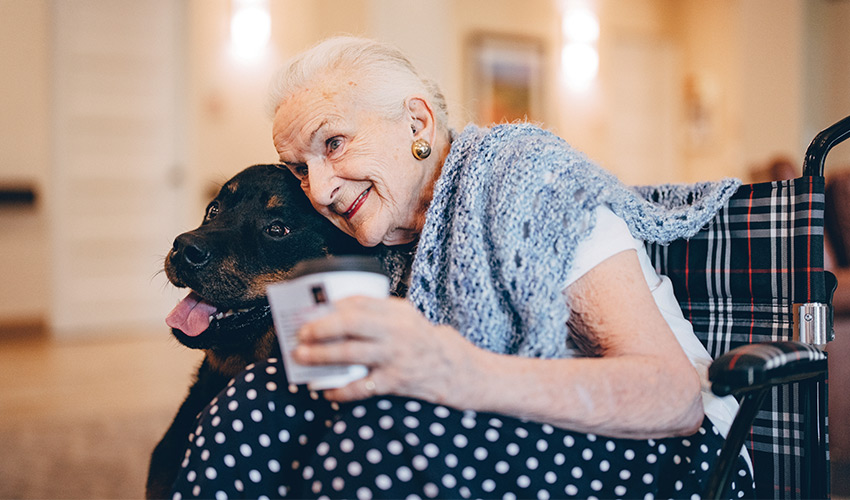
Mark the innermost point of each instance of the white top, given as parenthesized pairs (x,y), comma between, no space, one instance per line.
(611,236)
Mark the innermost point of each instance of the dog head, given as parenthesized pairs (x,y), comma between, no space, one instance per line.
(257,228)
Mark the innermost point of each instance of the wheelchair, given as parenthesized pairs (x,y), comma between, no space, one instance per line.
(754,287)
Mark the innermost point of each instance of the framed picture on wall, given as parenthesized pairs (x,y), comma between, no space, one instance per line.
(505,75)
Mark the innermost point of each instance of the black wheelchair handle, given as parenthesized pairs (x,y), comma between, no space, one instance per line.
(821,144)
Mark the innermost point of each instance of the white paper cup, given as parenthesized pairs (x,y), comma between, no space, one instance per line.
(309,294)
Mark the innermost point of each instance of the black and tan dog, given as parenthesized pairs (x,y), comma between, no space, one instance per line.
(257,228)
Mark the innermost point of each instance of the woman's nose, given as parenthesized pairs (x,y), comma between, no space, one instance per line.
(324,184)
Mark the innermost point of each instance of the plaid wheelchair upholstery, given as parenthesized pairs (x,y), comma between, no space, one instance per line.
(737,281)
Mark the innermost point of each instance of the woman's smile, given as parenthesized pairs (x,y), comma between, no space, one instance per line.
(348,214)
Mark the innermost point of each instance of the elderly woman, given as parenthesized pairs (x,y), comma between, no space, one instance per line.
(536,354)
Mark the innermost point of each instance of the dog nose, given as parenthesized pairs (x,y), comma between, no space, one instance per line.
(191,250)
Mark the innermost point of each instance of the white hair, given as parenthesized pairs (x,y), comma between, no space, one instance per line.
(385,77)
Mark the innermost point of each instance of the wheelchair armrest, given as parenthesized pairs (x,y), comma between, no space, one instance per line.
(750,371)
(757,366)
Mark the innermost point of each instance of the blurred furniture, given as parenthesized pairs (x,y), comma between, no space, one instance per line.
(837,230)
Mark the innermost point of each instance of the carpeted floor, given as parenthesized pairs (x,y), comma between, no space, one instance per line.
(80,458)
(79,419)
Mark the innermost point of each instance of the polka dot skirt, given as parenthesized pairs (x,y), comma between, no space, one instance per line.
(261,438)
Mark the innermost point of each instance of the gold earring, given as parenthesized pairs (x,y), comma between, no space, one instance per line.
(420,149)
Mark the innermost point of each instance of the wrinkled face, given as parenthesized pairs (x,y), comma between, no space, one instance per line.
(354,165)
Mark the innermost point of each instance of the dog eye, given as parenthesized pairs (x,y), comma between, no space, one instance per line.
(277,230)
(212,211)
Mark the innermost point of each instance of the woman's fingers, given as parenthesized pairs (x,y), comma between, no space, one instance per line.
(355,317)
(342,352)
(405,353)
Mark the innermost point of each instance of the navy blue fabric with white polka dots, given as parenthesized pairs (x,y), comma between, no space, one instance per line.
(261,438)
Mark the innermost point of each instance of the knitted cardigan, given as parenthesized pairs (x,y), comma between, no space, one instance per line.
(509,208)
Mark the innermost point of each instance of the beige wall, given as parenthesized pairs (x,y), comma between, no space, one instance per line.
(24,156)
(764,74)
(227,127)
(710,50)
(771,112)
(775,73)
(745,63)
(827,85)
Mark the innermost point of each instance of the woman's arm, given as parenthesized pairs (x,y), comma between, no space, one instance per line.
(641,385)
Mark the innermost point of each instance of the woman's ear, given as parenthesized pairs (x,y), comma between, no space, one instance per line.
(421,117)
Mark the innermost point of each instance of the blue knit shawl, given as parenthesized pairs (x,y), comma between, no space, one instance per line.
(510,207)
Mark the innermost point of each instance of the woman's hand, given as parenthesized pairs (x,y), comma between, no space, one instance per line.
(641,386)
(405,353)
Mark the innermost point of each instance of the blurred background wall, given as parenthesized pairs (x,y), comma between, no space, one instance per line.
(121,117)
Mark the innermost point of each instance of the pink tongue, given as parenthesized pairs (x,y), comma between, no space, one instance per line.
(191,315)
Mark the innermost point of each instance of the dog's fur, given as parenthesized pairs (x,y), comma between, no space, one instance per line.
(257,228)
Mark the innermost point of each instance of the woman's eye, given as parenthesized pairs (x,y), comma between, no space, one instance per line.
(299,170)
(277,230)
(212,211)
(333,144)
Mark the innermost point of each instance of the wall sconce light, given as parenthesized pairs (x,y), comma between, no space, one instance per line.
(580,63)
(580,24)
(250,27)
(579,55)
